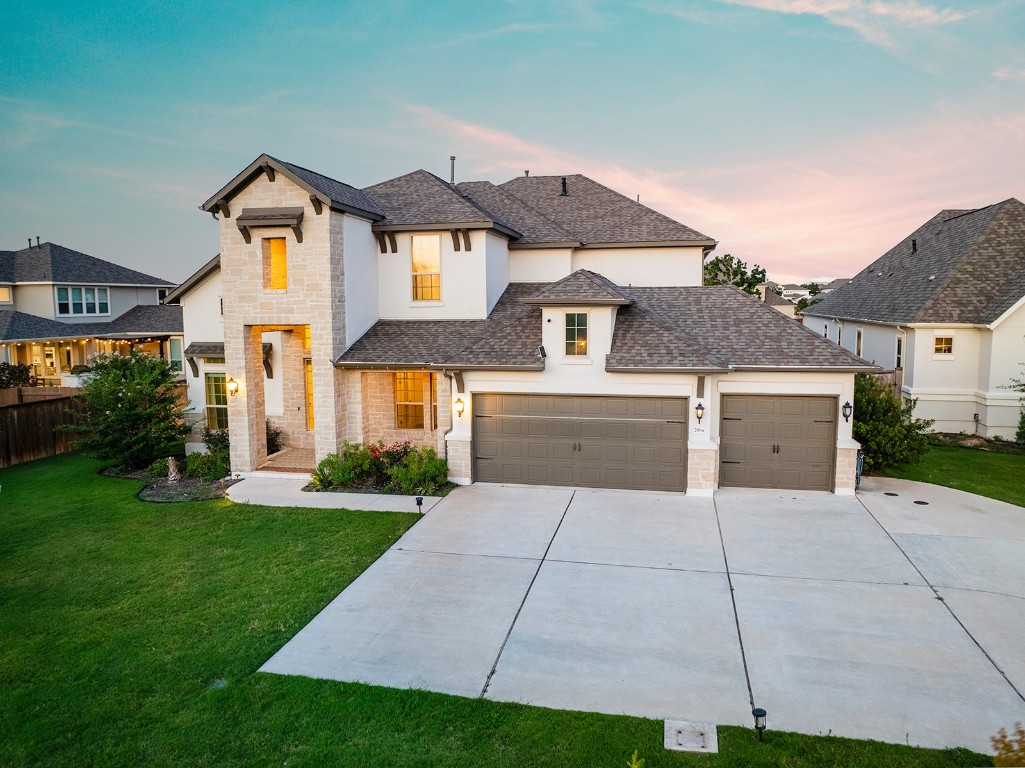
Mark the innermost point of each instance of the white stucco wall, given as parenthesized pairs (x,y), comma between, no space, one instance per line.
(643,266)
(361,276)
(463,281)
(497,268)
(36,300)
(539,265)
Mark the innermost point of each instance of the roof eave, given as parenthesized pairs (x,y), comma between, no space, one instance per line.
(665,369)
(655,244)
(442,226)
(425,366)
(815,368)
(537,246)
(583,302)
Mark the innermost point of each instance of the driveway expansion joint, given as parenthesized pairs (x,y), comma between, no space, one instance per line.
(733,602)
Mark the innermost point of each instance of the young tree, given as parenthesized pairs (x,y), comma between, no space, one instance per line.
(15,375)
(887,429)
(728,270)
(132,410)
(813,288)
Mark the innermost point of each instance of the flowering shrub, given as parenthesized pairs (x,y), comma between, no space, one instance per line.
(399,467)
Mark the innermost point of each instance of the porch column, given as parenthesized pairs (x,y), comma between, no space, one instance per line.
(243,353)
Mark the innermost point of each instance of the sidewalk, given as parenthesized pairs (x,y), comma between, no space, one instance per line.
(282,491)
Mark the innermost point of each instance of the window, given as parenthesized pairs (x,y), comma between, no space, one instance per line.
(79,300)
(825,330)
(410,389)
(5,294)
(839,335)
(161,294)
(216,401)
(275,261)
(308,378)
(426,260)
(576,333)
(214,360)
(858,335)
(943,345)
(174,349)
(900,352)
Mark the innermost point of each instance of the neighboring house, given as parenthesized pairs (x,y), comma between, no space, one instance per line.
(833,285)
(547,330)
(793,292)
(767,293)
(59,308)
(946,307)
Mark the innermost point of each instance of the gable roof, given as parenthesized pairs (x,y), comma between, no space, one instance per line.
(534,227)
(688,329)
(958,267)
(582,287)
(52,263)
(597,215)
(21,326)
(334,193)
(422,199)
(201,274)
(141,320)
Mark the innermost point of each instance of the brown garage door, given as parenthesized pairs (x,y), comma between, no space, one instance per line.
(777,442)
(594,442)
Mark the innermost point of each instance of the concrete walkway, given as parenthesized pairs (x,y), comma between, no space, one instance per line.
(870,617)
(286,490)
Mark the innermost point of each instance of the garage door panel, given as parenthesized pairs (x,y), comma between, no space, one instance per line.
(819,432)
(617,442)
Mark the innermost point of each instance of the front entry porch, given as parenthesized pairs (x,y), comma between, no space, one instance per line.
(298,460)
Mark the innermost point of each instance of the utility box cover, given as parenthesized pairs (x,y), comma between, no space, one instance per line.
(685,736)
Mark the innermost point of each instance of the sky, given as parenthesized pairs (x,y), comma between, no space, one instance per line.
(806,136)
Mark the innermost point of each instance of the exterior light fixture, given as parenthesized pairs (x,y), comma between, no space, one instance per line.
(460,406)
(232,387)
(420,504)
(759,715)
(699,411)
(847,410)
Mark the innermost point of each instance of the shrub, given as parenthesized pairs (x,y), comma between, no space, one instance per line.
(887,430)
(421,471)
(16,375)
(322,477)
(208,466)
(1019,433)
(216,441)
(131,410)
(158,468)
(274,443)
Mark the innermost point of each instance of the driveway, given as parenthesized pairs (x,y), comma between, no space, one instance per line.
(875,617)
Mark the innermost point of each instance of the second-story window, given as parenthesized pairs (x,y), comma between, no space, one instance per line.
(82,300)
(576,333)
(426,262)
(275,260)
(5,294)
(943,345)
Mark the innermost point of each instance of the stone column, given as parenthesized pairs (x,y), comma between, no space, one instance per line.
(243,352)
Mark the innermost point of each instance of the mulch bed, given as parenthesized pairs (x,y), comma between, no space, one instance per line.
(162,490)
(964,440)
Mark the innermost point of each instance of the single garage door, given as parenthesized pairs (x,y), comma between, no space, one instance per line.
(594,442)
(777,442)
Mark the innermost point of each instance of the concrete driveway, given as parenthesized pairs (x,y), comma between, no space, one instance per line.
(876,617)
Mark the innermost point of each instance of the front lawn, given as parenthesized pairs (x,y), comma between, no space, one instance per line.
(986,473)
(130,634)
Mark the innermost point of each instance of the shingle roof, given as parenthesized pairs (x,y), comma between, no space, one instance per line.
(338,192)
(697,328)
(142,320)
(596,214)
(581,287)
(21,326)
(533,226)
(773,299)
(958,267)
(52,263)
(422,198)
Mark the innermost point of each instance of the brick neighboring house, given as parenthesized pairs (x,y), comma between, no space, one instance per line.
(59,308)
(945,308)
(546,330)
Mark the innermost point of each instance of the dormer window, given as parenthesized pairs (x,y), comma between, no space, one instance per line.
(82,300)
(426,263)
(576,334)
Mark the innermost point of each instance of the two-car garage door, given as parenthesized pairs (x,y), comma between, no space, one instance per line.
(595,442)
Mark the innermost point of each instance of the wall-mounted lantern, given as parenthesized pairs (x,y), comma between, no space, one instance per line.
(460,406)
(232,387)
(699,411)
(847,410)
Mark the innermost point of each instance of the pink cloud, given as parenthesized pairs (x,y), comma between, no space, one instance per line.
(829,212)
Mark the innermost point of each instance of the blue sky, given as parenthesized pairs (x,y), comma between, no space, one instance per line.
(805,135)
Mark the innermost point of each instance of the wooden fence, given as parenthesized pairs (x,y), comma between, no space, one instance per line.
(28,430)
(16,395)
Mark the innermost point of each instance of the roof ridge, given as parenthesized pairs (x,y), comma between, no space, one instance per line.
(555,225)
(316,173)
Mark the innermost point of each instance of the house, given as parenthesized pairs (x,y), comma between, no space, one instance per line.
(546,330)
(945,308)
(832,285)
(793,291)
(767,293)
(59,308)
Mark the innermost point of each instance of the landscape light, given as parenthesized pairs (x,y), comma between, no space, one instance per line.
(759,714)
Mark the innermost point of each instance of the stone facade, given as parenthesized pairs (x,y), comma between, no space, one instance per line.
(460,464)
(702,471)
(846,471)
(315,292)
(293,421)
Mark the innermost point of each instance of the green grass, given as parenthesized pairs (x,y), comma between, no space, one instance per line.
(117,618)
(996,475)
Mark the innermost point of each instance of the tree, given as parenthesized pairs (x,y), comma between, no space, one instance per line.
(728,270)
(804,302)
(813,288)
(15,375)
(886,428)
(132,410)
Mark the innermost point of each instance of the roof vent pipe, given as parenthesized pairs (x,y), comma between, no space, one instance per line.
(526,173)
(30,242)
(564,190)
(914,246)
(37,241)
(452,168)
